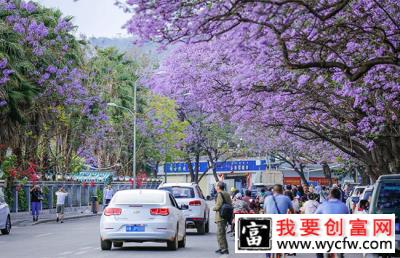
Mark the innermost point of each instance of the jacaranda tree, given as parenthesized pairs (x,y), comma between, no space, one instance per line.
(328,69)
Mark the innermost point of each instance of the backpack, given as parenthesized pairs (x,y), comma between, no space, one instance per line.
(226,211)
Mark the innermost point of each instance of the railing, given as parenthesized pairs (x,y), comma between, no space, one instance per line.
(79,195)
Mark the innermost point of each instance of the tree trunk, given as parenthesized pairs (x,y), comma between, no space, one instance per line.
(190,166)
(300,172)
(327,172)
(197,168)
(214,169)
(155,170)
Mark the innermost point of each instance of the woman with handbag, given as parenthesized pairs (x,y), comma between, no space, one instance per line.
(36,199)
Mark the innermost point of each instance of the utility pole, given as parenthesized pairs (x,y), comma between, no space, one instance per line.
(134,134)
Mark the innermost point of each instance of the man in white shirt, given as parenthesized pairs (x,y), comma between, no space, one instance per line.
(310,206)
(61,195)
(108,194)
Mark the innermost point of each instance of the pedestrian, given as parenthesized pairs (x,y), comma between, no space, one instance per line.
(36,199)
(310,206)
(278,203)
(323,196)
(108,194)
(362,207)
(300,191)
(222,197)
(247,197)
(261,198)
(318,188)
(333,206)
(295,201)
(61,195)
(239,207)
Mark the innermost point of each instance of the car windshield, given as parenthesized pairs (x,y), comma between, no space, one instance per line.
(179,191)
(2,199)
(388,197)
(358,191)
(367,194)
(139,197)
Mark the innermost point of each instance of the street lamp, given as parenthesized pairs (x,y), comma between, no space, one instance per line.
(133,113)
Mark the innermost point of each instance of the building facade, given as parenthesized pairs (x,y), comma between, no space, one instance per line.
(240,173)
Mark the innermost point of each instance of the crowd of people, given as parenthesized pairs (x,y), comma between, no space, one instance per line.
(293,199)
(280,199)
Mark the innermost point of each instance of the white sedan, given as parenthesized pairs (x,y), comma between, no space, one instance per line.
(5,219)
(143,215)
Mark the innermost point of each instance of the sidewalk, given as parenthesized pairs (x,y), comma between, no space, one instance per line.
(25,218)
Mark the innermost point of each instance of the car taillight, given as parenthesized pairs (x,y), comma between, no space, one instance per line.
(159,211)
(112,211)
(195,203)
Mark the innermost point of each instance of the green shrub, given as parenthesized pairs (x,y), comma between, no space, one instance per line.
(45,202)
(99,194)
(22,200)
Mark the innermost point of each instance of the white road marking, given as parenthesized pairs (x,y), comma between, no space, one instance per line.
(81,252)
(86,247)
(45,234)
(66,253)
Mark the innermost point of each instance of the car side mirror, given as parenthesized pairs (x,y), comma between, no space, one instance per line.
(184,207)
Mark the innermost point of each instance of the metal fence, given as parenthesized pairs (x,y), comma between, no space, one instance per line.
(79,195)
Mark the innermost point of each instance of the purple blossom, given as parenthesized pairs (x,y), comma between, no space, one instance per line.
(30,7)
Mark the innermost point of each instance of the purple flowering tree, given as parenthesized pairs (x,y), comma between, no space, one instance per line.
(324,70)
(44,94)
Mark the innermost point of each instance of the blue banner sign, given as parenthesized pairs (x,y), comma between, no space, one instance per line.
(227,166)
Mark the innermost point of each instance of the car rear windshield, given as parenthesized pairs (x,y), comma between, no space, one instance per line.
(358,191)
(388,198)
(367,194)
(139,197)
(180,191)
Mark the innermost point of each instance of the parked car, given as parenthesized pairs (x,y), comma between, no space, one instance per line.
(386,200)
(143,215)
(256,189)
(190,194)
(367,194)
(5,218)
(354,197)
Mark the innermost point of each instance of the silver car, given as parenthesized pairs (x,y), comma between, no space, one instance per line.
(5,218)
(143,216)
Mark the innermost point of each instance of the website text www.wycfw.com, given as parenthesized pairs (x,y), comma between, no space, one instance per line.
(315,233)
(328,246)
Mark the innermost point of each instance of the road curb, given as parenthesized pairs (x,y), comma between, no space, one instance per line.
(65,218)
(42,221)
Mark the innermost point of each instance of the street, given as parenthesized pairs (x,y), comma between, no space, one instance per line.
(80,238)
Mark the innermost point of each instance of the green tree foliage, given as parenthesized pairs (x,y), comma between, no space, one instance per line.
(163,133)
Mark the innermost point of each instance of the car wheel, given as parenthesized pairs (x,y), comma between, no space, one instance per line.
(7,229)
(208,226)
(118,244)
(105,244)
(201,228)
(182,243)
(173,244)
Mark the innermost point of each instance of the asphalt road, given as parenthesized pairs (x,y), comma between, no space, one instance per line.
(80,238)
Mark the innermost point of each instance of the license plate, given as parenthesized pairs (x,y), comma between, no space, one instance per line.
(135,228)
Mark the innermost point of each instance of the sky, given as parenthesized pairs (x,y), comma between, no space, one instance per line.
(98,18)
